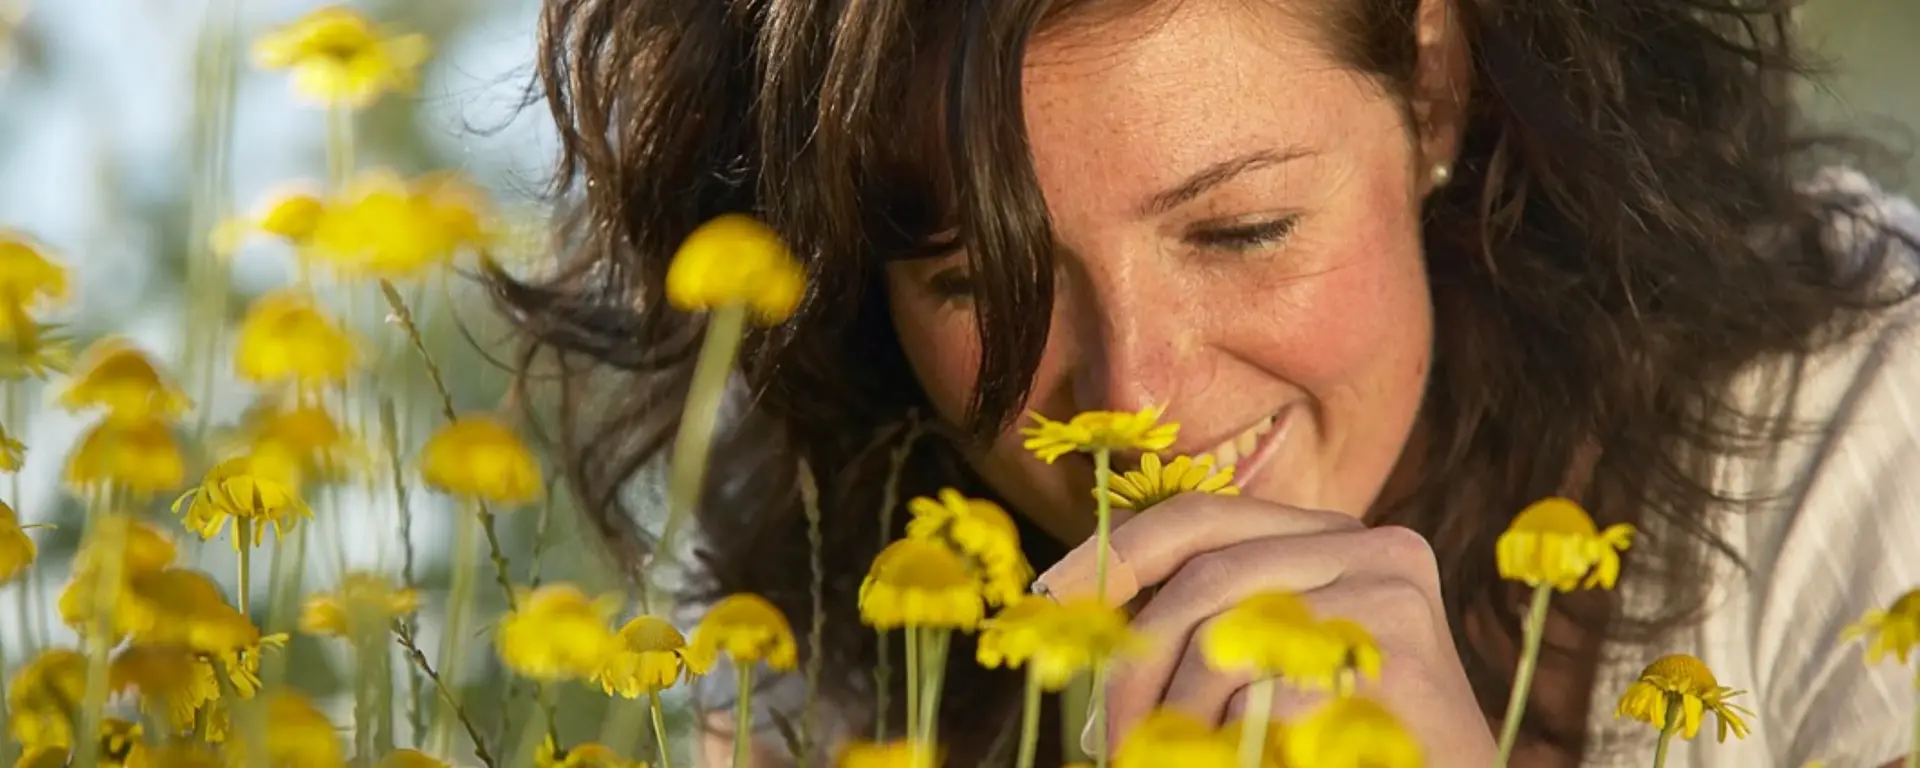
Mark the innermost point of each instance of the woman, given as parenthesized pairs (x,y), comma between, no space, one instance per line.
(1408,265)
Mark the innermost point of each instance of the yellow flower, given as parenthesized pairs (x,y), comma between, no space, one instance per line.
(30,349)
(735,259)
(1169,737)
(892,754)
(588,755)
(558,633)
(39,697)
(1154,482)
(983,532)
(385,227)
(1055,641)
(1274,634)
(1098,430)
(298,444)
(1682,682)
(28,277)
(233,489)
(285,338)
(364,603)
(410,758)
(338,57)
(1554,542)
(12,452)
(1894,630)
(920,583)
(1351,732)
(120,747)
(301,737)
(140,456)
(1272,754)
(480,458)
(290,215)
(147,548)
(747,628)
(173,683)
(652,656)
(117,377)
(16,548)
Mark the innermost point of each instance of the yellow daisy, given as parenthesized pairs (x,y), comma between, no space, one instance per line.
(120,747)
(478,457)
(233,489)
(289,215)
(651,657)
(1099,430)
(12,452)
(17,551)
(30,349)
(1895,629)
(364,603)
(891,754)
(285,338)
(339,57)
(29,278)
(385,227)
(558,633)
(173,683)
(301,737)
(297,445)
(1170,737)
(140,456)
(39,697)
(1554,542)
(585,755)
(1055,641)
(1155,482)
(983,532)
(1351,732)
(920,583)
(735,259)
(1274,634)
(1681,686)
(747,629)
(117,377)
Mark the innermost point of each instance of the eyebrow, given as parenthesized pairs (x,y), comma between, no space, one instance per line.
(1216,174)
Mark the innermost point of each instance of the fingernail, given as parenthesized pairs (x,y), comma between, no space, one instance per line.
(1075,576)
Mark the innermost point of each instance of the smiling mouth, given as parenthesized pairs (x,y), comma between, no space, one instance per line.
(1248,452)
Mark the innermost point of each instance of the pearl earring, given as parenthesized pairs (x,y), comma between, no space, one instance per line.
(1441,174)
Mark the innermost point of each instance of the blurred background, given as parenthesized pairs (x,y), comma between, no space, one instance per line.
(105,141)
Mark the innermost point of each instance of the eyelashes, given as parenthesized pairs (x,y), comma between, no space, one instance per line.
(955,284)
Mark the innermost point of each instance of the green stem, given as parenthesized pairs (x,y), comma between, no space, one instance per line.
(817,590)
(6,743)
(1253,728)
(743,717)
(339,146)
(726,327)
(1666,734)
(363,703)
(110,551)
(889,499)
(459,598)
(913,681)
(243,536)
(662,746)
(1103,521)
(1523,674)
(390,442)
(1030,720)
(1098,704)
(933,660)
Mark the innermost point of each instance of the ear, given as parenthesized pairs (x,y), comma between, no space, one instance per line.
(1441,85)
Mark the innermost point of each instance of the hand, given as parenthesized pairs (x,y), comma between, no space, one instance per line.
(1205,553)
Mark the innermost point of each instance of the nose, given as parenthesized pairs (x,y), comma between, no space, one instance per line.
(1130,333)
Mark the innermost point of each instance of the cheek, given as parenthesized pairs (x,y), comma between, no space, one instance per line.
(942,348)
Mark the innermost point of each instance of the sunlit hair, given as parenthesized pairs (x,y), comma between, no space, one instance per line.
(1625,230)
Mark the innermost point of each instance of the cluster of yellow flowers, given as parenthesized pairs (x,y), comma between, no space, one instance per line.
(169,673)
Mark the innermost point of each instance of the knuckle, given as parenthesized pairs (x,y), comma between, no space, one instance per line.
(1208,574)
(1405,549)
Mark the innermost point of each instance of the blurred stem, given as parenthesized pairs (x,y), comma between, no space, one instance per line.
(1103,511)
(288,575)
(1523,673)
(889,498)
(216,76)
(390,441)
(106,546)
(363,699)
(340,159)
(725,328)
(501,572)
(1254,724)
(11,413)
(6,742)
(662,744)
(459,596)
(1030,718)
(383,741)
(913,682)
(933,660)
(817,590)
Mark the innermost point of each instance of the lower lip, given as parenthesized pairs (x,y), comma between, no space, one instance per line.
(1250,468)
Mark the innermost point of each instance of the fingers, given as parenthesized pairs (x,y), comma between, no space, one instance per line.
(1150,547)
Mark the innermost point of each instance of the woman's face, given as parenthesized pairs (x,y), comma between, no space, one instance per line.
(1238,225)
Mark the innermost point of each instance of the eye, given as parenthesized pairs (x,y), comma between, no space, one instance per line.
(951,285)
(1244,237)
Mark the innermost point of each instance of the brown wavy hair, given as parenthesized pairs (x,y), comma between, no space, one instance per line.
(1625,231)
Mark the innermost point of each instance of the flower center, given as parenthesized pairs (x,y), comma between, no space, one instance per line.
(1555,515)
(1682,674)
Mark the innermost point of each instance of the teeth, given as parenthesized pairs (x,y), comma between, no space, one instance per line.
(1229,453)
